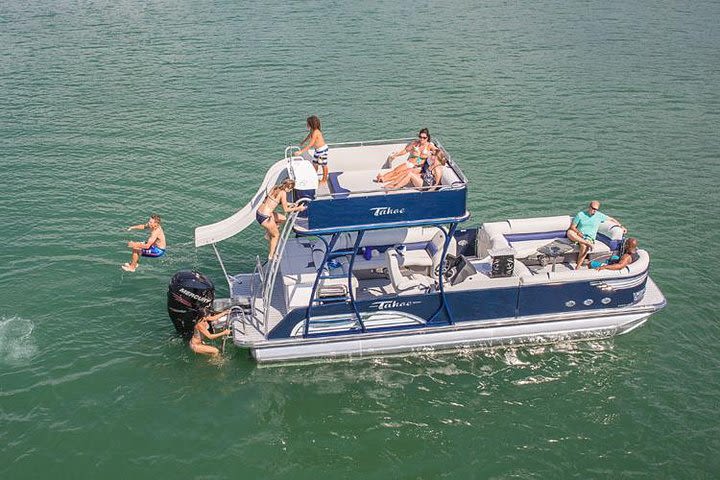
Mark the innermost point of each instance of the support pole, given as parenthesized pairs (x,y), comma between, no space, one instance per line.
(441,280)
(328,250)
(358,239)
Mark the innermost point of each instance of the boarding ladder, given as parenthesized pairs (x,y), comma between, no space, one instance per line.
(273,265)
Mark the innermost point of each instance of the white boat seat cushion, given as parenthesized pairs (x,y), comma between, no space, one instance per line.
(527,248)
(405,282)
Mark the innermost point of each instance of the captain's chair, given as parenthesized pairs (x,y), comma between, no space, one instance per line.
(405,282)
(430,256)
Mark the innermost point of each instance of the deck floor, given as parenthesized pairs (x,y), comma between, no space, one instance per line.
(254,329)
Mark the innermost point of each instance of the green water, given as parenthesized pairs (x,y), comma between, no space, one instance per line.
(110,111)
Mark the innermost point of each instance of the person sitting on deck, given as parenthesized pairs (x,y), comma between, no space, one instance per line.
(419,151)
(269,219)
(584,227)
(202,329)
(317,142)
(429,177)
(629,256)
(154,247)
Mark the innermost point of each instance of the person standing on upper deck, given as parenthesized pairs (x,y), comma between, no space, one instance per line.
(584,227)
(316,141)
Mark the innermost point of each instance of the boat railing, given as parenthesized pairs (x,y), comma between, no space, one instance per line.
(258,275)
(436,141)
(462,183)
(451,163)
(274,264)
(369,143)
(454,186)
(240,318)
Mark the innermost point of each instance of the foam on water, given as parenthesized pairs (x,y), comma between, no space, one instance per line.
(16,341)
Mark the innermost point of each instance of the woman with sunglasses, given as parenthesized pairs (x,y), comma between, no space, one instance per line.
(419,150)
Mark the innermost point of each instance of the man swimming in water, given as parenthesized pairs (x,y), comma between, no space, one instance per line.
(154,246)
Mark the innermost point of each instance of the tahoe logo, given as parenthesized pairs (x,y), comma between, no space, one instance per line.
(382,211)
(388,304)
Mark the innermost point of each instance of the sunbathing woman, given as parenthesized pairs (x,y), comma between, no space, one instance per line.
(269,219)
(202,329)
(430,175)
(419,151)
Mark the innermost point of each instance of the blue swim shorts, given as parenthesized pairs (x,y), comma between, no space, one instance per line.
(154,251)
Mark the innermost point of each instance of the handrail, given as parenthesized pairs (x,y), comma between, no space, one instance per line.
(275,263)
(290,148)
(363,143)
(257,272)
(457,185)
(222,265)
(243,319)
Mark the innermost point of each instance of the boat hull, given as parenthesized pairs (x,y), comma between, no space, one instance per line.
(539,329)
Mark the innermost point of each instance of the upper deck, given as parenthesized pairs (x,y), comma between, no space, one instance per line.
(352,200)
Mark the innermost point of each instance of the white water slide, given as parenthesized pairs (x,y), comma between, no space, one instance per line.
(217,232)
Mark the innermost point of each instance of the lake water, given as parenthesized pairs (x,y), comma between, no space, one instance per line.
(110,111)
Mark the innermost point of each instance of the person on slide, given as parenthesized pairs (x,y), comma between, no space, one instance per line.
(154,247)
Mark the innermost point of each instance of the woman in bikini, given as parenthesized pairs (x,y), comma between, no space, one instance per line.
(202,329)
(430,175)
(316,141)
(419,151)
(269,219)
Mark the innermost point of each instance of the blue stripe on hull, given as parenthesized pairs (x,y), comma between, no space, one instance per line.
(486,304)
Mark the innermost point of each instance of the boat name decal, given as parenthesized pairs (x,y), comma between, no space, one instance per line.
(195,296)
(382,211)
(388,304)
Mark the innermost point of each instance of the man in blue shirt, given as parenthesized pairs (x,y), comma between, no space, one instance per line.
(584,227)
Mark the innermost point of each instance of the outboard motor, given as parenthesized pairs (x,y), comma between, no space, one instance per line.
(189,294)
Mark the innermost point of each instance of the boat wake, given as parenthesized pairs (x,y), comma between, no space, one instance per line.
(16,342)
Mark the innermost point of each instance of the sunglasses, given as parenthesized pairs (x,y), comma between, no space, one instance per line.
(423,137)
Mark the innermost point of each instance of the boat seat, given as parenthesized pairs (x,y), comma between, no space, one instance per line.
(530,251)
(526,236)
(427,255)
(336,189)
(404,282)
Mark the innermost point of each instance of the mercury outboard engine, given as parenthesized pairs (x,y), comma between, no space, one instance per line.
(189,294)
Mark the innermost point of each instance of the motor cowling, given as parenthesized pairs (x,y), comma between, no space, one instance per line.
(190,293)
